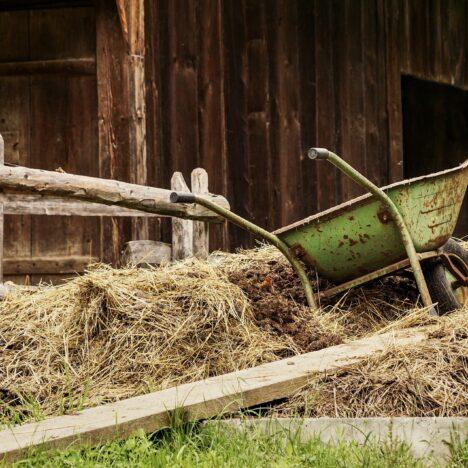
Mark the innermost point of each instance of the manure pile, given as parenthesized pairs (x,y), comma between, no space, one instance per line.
(115,333)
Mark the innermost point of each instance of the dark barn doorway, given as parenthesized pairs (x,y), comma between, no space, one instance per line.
(435,131)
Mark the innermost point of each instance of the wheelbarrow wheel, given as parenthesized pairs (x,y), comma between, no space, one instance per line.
(442,284)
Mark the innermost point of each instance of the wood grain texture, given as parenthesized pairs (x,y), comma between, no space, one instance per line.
(239,88)
(182,230)
(47,265)
(113,118)
(183,85)
(105,191)
(146,252)
(199,400)
(15,121)
(201,233)
(212,106)
(132,16)
(327,181)
(70,140)
(70,66)
(36,204)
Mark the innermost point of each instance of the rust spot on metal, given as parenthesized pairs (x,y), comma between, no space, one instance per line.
(363,238)
(432,226)
(299,252)
(384,216)
(437,208)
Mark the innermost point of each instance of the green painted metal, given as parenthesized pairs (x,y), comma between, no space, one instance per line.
(358,237)
(395,216)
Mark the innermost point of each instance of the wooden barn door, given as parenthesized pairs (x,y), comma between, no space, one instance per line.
(49,121)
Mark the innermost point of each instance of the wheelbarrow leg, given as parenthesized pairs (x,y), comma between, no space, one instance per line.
(257,231)
(322,153)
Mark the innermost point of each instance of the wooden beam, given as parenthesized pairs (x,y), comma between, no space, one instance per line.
(47,265)
(105,191)
(37,204)
(70,66)
(201,241)
(114,118)
(182,230)
(132,17)
(198,400)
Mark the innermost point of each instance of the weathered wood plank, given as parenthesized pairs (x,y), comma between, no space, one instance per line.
(393,39)
(201,240)
(64,121)
(288,138)
(36,204)
(182,230)
(132,16)
(308,100)
(326,102)
(234,44)
(257,172)
(203,399)
(113,113)
(211,103)
(108,192)
(183,85)
(155,145)
(47,265)
(15,111)
(69,66)
(146,252)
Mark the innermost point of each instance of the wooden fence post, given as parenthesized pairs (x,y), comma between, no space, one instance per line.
(2,160)
(200,228)
(182,229)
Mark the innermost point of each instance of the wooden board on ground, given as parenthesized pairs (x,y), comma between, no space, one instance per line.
(197,400)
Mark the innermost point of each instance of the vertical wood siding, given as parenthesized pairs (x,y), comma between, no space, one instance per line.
(245,87)
(239,87)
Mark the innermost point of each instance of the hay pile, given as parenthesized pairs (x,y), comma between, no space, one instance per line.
(427,379)
(115,333)
(112,333)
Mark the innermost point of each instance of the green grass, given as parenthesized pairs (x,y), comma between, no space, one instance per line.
(213,446)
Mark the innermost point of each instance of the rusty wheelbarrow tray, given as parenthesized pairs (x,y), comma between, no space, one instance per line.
(386,230)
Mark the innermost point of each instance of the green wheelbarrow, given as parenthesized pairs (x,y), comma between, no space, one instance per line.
(407,224)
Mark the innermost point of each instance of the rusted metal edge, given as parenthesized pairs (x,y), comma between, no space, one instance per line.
(374,275)
(363,199)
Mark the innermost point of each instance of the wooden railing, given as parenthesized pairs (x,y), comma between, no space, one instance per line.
(28,191)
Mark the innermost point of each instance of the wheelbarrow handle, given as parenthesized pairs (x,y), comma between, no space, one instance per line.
(179,197)
(318,153)
(322,153)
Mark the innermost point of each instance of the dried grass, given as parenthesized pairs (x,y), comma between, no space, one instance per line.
(115,333)
(427,379)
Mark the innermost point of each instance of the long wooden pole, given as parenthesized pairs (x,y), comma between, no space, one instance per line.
(198,400)
(105,191)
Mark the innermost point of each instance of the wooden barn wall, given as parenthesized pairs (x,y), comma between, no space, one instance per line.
(239,87)
(244,87)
